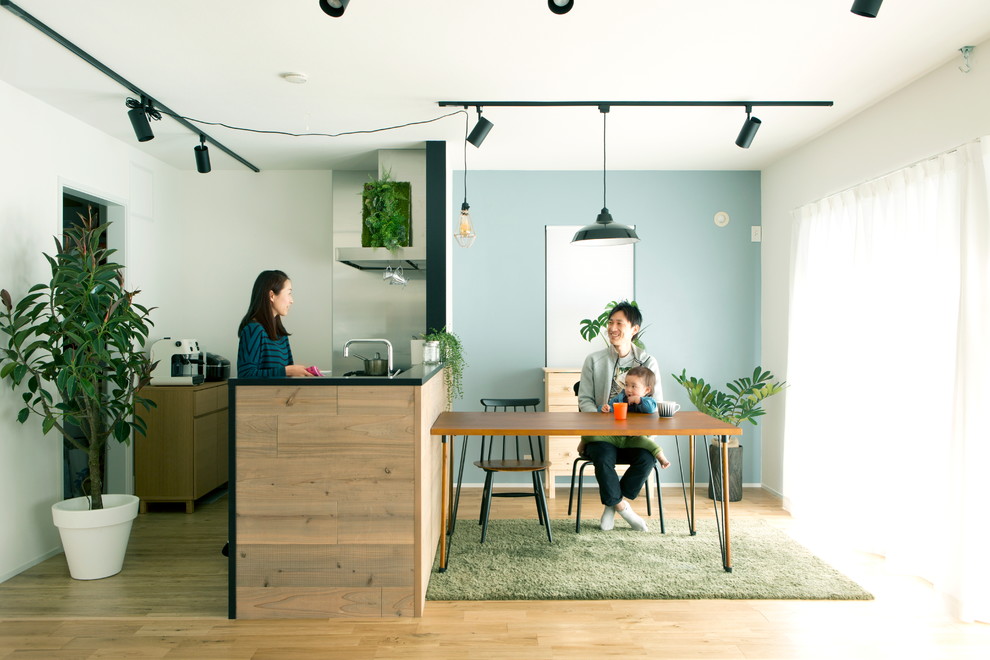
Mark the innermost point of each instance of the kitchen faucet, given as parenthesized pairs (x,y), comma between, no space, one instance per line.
(388,346)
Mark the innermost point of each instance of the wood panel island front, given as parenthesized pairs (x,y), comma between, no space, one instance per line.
(335,493)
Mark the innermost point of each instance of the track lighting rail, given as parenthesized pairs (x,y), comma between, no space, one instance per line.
(120,80)
(608,104)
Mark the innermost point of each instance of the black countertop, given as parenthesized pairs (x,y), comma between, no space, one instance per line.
(418,375)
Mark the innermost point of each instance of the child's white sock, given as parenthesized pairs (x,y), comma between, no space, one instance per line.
(633,519)
(608,518)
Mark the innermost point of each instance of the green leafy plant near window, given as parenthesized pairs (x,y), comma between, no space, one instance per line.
(386,213)
(743,403)
(74,345)
(598,326)
(452,357)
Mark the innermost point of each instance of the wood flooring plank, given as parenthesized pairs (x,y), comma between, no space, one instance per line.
(170,602)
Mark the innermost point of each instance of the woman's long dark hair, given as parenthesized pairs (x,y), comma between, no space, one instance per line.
(260,309)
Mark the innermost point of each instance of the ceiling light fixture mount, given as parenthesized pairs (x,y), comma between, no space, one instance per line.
(334,8)
(605,231)
(480,130)
(202,156)
(748,130)
(295,77)
(966,52)
(867,8)
(560,7)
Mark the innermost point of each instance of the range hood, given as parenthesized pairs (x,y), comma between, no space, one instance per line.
(412,258)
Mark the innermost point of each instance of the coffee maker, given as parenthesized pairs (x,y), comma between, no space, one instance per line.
(179,362)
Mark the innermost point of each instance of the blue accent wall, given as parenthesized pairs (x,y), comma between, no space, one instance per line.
(698,285)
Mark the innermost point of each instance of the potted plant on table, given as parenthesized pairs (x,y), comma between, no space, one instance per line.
(742,403)
(452,357)
(73,345)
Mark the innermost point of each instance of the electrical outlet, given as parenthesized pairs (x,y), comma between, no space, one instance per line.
(756,234)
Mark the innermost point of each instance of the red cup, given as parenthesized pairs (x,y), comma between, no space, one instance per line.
(620,410)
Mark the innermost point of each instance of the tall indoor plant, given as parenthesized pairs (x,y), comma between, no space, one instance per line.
(74,346)
(742,403)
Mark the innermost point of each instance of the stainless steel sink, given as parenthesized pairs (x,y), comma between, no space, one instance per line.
(361,374)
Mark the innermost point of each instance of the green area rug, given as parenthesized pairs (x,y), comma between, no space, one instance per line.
(517,563)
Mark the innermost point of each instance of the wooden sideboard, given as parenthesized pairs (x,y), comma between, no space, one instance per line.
(560,397)
(184,454)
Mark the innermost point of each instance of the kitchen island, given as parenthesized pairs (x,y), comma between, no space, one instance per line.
(335,493)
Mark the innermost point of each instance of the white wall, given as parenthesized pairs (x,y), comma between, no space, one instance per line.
(193,245)
(936,113)
(236,224)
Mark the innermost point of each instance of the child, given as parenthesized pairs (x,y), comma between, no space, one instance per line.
(638,391)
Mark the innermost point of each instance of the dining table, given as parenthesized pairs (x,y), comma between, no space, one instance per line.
(691,424)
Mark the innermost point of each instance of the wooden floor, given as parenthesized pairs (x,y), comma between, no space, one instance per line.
(170,602)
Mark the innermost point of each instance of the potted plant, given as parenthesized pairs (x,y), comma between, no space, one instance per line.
(597,327)
(742,403)
(386,213)
(73,345)
(452,357)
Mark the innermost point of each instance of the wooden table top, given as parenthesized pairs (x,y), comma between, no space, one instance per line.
(577,423)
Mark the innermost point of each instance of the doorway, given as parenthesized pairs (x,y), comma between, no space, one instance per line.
(119,478)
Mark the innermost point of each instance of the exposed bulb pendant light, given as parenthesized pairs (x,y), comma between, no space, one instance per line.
(465,230)
(605,231)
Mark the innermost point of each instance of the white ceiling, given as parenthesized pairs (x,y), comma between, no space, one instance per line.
(387,62)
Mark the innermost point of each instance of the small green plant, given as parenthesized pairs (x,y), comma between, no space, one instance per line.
(386,212)
(597,327)
(74,345)
(743,404)
(452,357)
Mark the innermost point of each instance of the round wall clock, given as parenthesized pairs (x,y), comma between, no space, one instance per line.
(721,219)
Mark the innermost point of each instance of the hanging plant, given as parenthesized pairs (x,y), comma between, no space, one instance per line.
(386,213)
(452,357)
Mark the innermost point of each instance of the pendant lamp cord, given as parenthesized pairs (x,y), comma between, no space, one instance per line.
(604,153)
(467,119)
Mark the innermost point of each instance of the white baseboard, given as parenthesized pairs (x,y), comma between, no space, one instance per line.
(34,562)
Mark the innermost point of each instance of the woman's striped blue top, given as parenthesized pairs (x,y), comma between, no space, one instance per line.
(260,357)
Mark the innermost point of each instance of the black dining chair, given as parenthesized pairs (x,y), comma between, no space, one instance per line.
(513,454)
(577,476)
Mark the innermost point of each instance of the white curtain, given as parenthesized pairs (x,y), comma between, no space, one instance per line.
(888,412)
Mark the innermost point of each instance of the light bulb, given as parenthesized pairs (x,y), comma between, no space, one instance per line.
(465,232)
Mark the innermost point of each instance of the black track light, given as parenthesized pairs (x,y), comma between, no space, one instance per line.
(480,130)
(334,8)
(748,131)
(560,6)
(138,114)
(202,156)
(867,8)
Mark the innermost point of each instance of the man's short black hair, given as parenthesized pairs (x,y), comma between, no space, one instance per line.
(633,315)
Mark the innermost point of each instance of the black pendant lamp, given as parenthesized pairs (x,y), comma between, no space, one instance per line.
(605,231)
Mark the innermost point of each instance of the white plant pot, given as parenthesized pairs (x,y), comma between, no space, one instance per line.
(95,541)
(416,350)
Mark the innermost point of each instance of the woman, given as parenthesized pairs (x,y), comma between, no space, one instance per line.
(602,378)
(264,350)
